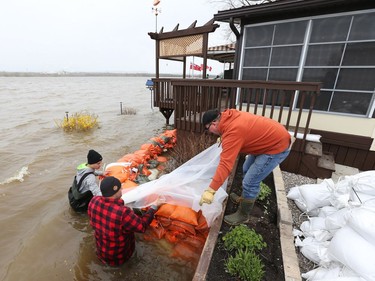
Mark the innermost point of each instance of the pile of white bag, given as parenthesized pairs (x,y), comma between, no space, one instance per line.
(339,236)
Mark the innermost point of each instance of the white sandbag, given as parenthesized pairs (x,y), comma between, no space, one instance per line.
(309,137)
(353,251)
(362,219)
(317,195)
(323,273)
(326,211)
(294,193)
(363,182)
(343,278)
(334,271)
(315,227)
(358,198)
(184,186)
(336,220)
(314,250)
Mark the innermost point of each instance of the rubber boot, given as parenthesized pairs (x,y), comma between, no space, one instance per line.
(243,213)
(236,199)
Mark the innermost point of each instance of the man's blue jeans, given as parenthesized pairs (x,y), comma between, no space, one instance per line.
(256,169)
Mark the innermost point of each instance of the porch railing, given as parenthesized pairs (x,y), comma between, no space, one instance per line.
(290,103)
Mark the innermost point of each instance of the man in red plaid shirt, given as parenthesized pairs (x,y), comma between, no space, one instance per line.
(115,224)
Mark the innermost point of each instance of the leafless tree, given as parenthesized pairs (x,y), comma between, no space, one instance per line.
(231,4)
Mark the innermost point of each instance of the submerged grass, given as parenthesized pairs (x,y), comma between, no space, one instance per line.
(79,122)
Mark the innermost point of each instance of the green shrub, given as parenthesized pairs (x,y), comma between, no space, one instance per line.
(246,265)
(264,192)
(241,237)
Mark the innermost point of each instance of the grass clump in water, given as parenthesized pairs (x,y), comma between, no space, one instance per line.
(79,122)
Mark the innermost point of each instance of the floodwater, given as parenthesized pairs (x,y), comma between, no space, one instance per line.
(41,238)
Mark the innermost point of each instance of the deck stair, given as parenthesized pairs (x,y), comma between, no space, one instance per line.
(319,163)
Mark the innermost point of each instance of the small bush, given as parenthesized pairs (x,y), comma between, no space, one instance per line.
(128,111)
(264,192)
(81,121)
(241,237)
(246,265)
(188,145)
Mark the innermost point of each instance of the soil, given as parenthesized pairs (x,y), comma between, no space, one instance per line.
(264,222)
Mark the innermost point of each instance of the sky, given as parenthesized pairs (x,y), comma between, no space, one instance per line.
(96,35)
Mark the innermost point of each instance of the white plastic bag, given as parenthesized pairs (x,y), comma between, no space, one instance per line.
(184,186)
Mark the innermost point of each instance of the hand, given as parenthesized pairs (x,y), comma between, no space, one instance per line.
(160,201)
(207,196)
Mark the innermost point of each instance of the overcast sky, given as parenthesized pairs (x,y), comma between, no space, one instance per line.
(94,35)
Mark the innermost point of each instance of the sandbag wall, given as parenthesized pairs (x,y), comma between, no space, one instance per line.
(185,228)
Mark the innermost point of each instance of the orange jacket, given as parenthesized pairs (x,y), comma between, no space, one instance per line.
(243,132)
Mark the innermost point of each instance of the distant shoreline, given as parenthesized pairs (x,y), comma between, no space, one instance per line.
(80,74)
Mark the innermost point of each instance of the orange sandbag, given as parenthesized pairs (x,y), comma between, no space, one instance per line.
(128,184)
(162,159)
(185,214)
(186,252)
(195,241)
(165,222)
(202,223)
(185,226)
(145,154)
(165,210)
(120,172)
(134,159)
(170,236)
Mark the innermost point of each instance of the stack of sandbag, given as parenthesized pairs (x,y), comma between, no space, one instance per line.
(186,229)
(339,235)
(144,164)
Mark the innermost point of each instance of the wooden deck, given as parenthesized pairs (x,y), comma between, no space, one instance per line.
(290,103)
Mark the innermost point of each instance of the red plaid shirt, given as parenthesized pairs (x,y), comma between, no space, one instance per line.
(114,226)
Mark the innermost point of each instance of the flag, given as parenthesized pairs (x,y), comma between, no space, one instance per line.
(195,66)
(207,67)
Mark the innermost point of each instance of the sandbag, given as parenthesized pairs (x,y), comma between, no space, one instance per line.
(353,251)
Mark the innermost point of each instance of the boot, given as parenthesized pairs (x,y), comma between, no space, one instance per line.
(243,213)
(236,199)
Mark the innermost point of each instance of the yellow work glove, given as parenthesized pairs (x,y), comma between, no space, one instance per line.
(207,196)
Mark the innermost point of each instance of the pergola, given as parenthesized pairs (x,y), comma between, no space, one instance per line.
(179,44)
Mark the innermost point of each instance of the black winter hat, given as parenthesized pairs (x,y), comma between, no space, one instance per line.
(109,186)
(93,157)
(209,116)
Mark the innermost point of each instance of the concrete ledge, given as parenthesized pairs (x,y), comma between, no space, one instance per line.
(285,222)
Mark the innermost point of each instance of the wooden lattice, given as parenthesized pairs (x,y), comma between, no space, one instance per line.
(181,46)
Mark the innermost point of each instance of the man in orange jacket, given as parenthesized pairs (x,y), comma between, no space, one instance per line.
(266,143)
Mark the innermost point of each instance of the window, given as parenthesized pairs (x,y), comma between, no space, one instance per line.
(336,50)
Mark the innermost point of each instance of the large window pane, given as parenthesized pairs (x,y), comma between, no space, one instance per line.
(326,76)
(283,74)
(257,57)
(354,103)
(286,56)
(254,74)
(324,55)
(330,29)
(363,27)
(358,54)
(356,79)
(290,33)
(259,36)
(322,101)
